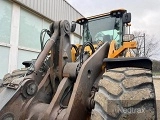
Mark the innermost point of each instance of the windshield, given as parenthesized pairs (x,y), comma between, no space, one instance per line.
(106,29)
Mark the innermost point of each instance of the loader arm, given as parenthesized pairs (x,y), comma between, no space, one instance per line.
(21,93)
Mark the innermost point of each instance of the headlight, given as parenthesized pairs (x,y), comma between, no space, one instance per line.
(7,116)
(29,89)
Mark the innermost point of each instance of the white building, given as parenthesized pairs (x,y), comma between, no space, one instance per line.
(21,22)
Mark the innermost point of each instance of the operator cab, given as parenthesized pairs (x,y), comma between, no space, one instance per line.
(105,27)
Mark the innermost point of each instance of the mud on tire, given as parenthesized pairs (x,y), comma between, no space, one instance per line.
(125,94)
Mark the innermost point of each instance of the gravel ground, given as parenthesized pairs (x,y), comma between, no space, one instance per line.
(157,89)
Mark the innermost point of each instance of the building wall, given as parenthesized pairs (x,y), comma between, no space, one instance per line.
(53,9)
(21,26)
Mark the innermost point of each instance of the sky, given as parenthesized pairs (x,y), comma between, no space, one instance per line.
(145,13)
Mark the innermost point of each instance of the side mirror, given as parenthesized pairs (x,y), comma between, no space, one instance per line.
(128,37)
(126,18)
(73,26)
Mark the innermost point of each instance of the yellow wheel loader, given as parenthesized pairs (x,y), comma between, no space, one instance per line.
(99,79)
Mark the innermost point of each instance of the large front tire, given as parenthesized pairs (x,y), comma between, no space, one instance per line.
(125,94)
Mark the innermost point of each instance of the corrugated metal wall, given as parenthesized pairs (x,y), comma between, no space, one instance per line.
(53,9)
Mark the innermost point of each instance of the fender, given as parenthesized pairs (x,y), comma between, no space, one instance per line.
(140,62)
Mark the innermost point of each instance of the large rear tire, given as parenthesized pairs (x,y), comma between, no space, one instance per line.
(125,94)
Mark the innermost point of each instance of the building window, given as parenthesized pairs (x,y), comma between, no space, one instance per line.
(4,53)
(5,20)
(29,31)
(29,36)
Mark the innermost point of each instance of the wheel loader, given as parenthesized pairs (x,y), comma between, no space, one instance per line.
(99,79)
